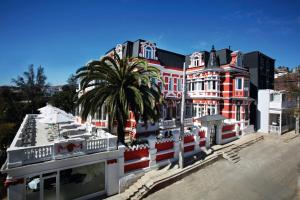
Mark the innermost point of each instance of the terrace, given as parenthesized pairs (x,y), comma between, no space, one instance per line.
(39,142)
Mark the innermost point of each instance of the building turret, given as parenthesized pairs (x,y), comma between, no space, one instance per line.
(213,59)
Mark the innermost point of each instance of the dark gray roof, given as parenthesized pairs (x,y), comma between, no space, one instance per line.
(213,60)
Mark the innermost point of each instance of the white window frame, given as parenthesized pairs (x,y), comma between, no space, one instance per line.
(171,84)
(236,83)
(148,52)
(179,84)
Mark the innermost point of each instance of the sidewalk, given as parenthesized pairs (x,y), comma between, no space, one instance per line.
(158,179)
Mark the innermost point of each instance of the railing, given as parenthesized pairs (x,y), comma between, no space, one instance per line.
(188,121)
(19,156)
(282,104)
(285,128)
(96,145)
(274,129)
(141,127)
(167,124)
(27,155)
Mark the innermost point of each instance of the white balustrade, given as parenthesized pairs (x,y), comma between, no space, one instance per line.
(167,124)
(274,129)
(96,145)
(188,121)
(27,155)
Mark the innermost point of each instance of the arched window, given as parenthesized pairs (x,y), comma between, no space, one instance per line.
(196,61)
(148,53)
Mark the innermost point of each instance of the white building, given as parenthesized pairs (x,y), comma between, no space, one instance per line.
(275,112)
(70,166)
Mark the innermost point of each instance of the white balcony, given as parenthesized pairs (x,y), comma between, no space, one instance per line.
(21,152)
(149,127)
(282,104)
(166,124)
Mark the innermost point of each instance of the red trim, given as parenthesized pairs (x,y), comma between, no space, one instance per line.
(165,156)
(229,127)
(153,61)
(111,161)
(9,182)
(228,135)
(136,154)
(188,139)
(164,146)
(189,148)
(202,134)
(202,143)
(173,68)
(134,166)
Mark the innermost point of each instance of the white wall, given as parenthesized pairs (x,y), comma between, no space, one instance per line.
(262,117)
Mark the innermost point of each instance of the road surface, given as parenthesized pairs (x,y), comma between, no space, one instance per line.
(268,170)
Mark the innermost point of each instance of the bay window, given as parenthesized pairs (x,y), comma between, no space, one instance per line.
(238,83)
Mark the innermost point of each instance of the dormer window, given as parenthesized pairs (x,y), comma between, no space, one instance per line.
(119,49)
(148,50)
(239,60)
(196,59)
(148,53)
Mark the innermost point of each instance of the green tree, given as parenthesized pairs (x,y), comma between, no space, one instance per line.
(33,86)
(121,85)
(66,99)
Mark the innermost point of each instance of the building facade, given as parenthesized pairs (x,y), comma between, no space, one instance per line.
(275,112)
(261,68)
(217,84)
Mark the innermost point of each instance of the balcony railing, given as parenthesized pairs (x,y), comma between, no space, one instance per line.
(61,149)
(142,127)
(282,104)
(188,121)
(167,124)
(274,129)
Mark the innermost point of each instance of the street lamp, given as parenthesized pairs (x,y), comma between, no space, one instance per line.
(181,138)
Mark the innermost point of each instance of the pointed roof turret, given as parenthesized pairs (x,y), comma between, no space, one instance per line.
(213,59)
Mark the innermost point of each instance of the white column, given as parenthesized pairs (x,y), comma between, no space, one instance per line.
(121,149)
(219,133)
(16,192)
(280,123)
(176,145)
(197,142)
(112,185)
(152,151)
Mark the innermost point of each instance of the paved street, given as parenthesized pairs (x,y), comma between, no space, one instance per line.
(268,170)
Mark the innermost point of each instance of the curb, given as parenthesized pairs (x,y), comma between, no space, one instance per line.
(162,183)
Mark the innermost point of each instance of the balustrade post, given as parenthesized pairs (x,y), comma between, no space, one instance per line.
(176,145)
(121,150)
(197,142)
(152,151)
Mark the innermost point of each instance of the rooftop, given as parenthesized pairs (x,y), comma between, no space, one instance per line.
(39,142)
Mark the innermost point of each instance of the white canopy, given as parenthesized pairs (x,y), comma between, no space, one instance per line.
(54,115)
(56,118)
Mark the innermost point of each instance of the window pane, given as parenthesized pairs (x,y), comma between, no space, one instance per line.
(33,188)
(81,181)
(50,188)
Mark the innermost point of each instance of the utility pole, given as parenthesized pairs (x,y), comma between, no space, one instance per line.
(181,138)
(298,101)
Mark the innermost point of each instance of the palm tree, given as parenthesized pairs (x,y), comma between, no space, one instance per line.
(121,85)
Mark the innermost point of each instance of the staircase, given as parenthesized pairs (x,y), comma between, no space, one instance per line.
(142,185)
(231,154)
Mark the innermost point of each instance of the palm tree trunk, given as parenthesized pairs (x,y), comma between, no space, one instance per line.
(121,133)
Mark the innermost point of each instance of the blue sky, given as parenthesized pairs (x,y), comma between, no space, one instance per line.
(63,35)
